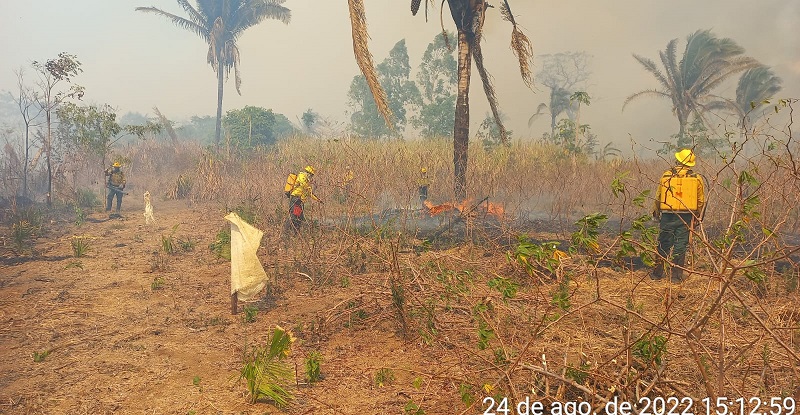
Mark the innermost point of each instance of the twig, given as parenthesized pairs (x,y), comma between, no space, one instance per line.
(569,382)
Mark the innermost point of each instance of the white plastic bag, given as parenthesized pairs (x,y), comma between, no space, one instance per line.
(248,277)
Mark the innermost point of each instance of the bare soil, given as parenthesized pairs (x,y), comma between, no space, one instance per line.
(129,329)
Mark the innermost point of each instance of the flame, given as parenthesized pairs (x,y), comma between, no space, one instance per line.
(489,208)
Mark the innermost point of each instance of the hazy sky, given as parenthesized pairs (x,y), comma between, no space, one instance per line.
(134,61)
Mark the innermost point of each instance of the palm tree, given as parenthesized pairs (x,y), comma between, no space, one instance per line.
(219,23)
(688,83)
(468,16)
(755,86)
(559,103)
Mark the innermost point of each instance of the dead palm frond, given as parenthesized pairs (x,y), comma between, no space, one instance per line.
(358,22)
(520,45)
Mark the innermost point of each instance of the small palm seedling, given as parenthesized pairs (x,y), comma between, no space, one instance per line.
(266,371)
(187,244)
(313,362)
(22,233)
(167,244)
(80,245)
(159,262)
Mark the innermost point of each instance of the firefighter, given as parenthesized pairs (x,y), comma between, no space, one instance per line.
(679,205)
(423,182)
(116,185)
(301,190)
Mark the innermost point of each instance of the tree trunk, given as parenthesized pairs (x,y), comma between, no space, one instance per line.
(27,157)
(461,127)
(220,83)
(48,148)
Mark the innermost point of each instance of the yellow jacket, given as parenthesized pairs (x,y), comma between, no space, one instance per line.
(424,180)
(302,187)
(681,171)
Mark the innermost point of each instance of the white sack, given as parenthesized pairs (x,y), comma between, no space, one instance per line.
(248,277)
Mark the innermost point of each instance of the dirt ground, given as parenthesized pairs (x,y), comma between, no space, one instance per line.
(130,331)
(127,329)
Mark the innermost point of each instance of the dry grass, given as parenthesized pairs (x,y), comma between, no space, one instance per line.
(594,328)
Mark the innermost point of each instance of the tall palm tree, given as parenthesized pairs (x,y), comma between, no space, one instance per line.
(220,23)
(706,62)
(755,86)
(468,16)
(559,103)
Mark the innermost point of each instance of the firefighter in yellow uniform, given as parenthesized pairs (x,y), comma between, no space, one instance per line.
(679,205)
(424,182)
(300,192)
(115,185)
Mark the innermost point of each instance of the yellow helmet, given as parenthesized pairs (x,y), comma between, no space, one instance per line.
(116,164)
(310,170)
(685,157)
(423,170)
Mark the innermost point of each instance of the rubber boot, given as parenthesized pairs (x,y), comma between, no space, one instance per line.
(658,270)
(676,276)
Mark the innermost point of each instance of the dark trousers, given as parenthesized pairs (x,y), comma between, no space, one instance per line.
(110,198)
(673,235)
(296,213)
(423,193)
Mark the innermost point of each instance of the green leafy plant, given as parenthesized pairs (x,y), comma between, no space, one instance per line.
(250,313)
(266,371)
(417,383)
(157,284)
(412,408)
(561,296)
(80,215)
(537,258)
(168,242)
(754,274)
(22,234)
(650,349)
(187,244)
(79,246)
(465,392)
(74,264)
(485,334)
(159,262)
(506,287)
(585,238)
(40,356)
(312,362)
(578,374)
(384,376)
(221,247)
